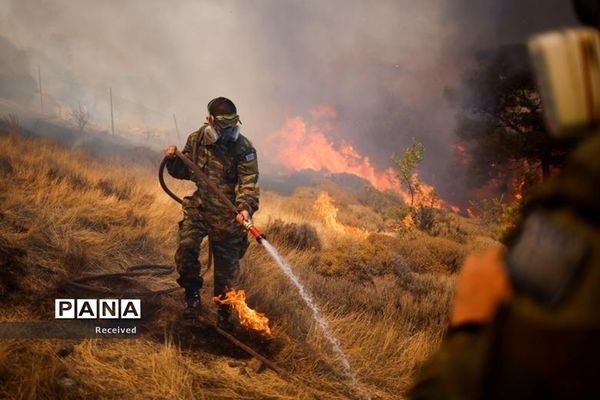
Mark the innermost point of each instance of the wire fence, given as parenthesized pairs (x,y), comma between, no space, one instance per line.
(105,110)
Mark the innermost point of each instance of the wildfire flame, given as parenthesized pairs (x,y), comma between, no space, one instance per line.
(324,208)
(248,317)
(518,188)
(301,145)
(408,221)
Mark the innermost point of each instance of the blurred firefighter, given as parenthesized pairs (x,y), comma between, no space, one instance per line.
(525,322)
(229,160)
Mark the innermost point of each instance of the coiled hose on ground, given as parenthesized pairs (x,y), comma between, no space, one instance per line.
(140,269)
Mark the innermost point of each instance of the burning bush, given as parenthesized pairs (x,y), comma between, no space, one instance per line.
(301,236)
(508,220)
(424,217)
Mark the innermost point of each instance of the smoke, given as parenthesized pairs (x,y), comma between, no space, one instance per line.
(15,81)
(384,66)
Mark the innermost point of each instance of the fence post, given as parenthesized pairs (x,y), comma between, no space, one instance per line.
(176,127)
(112,118)
(40,87)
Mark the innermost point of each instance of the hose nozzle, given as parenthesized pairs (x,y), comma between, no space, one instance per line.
(249,226)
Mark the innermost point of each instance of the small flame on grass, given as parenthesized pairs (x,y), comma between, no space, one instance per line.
(518,188)
(408,222)
(249,318)
(324,208)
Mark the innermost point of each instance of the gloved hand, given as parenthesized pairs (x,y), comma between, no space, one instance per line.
(170,151)
(242,216)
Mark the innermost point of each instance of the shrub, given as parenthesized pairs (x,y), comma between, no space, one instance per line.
(447,252)
(508,220)
(361,217)
(301,236)
(357,259)
(424,217)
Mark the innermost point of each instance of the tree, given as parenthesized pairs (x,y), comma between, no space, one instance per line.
(405,168)
(501,119)
(80,116)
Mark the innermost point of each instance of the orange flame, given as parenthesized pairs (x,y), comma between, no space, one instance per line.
(408,221)
(324,208)
(249,318)
(463,157)
(518,187)
(306,146)
(301,145)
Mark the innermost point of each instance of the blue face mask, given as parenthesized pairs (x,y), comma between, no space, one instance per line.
(230,134)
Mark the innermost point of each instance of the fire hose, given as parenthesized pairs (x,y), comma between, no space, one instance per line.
(247,223)
(163,185)
(159,269)
(155,270)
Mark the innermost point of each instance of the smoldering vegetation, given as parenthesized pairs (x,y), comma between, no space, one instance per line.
(63,214)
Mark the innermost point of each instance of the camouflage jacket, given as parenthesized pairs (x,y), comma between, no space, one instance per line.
(545,342)
(232,166)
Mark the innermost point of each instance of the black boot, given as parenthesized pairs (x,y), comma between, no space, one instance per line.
(224,320)
(192,299)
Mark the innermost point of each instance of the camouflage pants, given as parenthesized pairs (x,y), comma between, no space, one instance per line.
(228,242)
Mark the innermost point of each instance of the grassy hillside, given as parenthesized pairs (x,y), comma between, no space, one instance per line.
(63,214)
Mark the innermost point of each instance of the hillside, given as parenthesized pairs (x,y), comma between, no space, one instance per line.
(64,213)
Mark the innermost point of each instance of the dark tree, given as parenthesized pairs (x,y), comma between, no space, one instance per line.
(501,120)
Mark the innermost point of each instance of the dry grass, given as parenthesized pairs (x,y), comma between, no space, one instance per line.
(63,213)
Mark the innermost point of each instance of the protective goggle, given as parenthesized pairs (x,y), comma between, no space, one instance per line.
(225,121)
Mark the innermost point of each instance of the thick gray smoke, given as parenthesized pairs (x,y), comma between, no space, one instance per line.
(383,65)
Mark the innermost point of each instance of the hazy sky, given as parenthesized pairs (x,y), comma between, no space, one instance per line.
(382,65)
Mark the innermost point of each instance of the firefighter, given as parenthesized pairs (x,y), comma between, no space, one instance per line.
(229,159)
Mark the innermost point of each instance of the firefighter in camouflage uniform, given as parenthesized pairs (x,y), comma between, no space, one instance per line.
(229,160)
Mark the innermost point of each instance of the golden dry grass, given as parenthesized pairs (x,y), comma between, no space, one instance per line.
(63,213)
